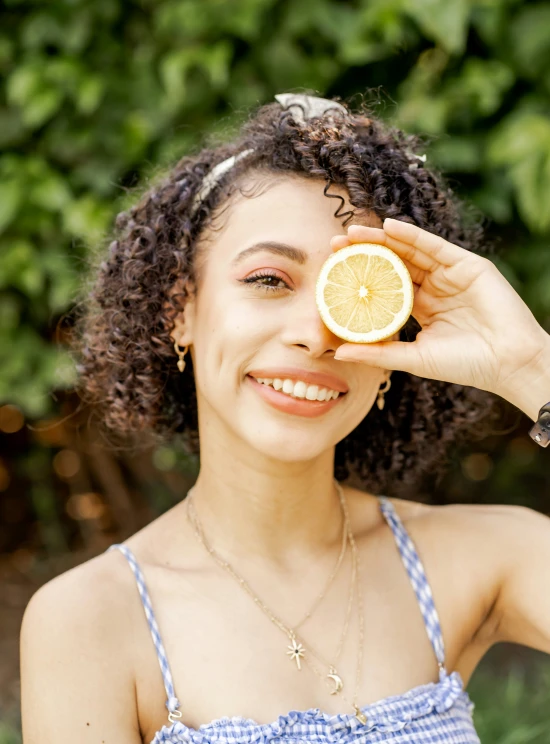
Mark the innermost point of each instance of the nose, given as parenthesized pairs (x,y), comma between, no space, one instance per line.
(306,330)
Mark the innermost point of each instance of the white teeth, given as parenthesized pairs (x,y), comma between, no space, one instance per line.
(288,386)
(299,389)
(311,393)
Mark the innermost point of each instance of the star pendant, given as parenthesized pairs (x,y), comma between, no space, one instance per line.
(296,652)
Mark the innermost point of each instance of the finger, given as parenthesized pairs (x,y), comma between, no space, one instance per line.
(394,355)
(366,234)
(407,252)
(432,246)
(339,241)
(363,234)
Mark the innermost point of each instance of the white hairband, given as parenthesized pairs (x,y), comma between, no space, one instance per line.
(302,107)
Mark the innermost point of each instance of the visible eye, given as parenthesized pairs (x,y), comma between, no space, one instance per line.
(266,280)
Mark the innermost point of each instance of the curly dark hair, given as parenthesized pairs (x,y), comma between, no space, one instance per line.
(127,359)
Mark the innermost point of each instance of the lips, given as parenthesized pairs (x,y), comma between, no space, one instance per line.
(292,405)
(322,379)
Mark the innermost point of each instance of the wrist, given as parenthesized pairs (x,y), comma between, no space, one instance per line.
(532,390)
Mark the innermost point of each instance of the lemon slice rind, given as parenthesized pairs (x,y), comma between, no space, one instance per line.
(400,318)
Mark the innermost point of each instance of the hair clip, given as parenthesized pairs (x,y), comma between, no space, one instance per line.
(305,107)
(212,178)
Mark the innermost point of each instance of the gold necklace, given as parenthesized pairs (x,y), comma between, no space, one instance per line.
(345,529)
(362,718)
(321,596)
(332,677)
(296,649)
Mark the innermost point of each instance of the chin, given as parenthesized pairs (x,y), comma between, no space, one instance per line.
(293,441)
(289,448)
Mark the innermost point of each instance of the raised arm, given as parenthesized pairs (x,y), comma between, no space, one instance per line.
(76,675)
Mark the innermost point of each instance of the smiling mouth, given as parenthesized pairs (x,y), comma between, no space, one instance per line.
(300,390)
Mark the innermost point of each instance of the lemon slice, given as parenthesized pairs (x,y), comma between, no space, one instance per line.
(364,293)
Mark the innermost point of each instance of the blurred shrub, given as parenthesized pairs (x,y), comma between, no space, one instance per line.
(511,709)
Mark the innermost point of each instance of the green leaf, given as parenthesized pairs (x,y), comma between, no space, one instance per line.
(50,192)
(458,154)
(22,84)
(19,267)
(444,21)
(41,107)
(63,279)
(481,84)
(530,39)
(495,198)
(87,218)
(425,114)
(11,130)
(89,94)
(11,197)
(173,70)
(522,147)
(216,60)
(10,312)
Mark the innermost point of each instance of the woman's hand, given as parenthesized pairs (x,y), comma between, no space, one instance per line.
(476,329)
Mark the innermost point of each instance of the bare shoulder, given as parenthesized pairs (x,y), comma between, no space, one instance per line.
(490,528)
(77,679)
(89,595)
(475,543)
(493,522)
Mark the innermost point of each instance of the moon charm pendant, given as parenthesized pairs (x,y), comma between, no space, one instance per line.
(337,681)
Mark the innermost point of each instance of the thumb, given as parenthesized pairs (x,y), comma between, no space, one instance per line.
(394,355)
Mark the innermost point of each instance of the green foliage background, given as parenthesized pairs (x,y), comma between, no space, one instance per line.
(94,96)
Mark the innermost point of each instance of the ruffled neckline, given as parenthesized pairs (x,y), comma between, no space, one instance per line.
(387,715)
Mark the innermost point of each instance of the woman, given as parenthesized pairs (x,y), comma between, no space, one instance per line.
(280,606)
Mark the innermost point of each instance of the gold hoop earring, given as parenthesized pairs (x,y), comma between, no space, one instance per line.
(181,354)
(380,401)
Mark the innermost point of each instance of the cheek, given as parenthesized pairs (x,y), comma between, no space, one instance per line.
(229,329)
(365,383)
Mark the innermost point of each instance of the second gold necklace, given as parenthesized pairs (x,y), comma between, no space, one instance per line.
(296,650)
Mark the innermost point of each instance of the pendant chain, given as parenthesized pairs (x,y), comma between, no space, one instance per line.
(320,597)
(360,612)
(199,532)
(297,651)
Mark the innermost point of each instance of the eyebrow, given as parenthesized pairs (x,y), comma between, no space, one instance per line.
(271,246)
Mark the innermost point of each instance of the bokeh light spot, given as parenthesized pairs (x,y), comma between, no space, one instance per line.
(11,419)
(85,506)
(66,463)
(477,466)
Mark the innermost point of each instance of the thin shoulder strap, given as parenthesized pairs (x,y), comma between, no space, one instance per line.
(415,569)
(172,703)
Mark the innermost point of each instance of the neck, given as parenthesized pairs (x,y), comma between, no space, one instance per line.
(277,511)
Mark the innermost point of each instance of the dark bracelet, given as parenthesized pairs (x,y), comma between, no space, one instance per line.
(541,430)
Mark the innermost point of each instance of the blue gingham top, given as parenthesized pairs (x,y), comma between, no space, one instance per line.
(433,713)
